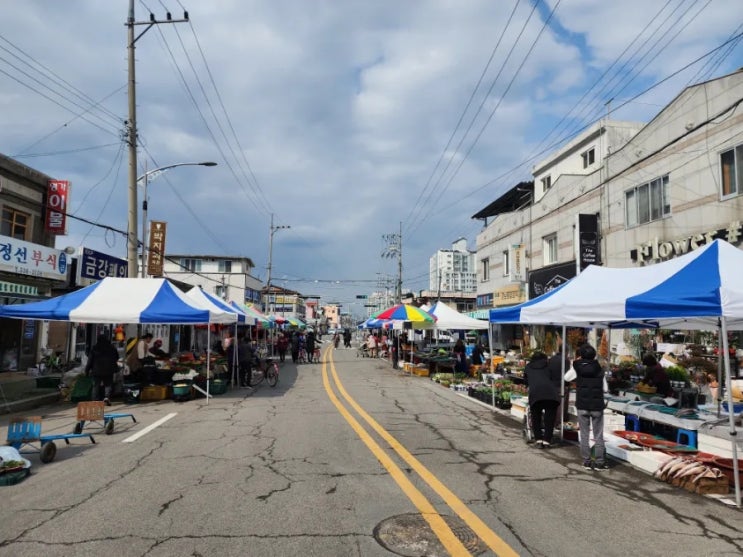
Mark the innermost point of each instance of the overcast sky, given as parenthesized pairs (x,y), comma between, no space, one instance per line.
(342,118)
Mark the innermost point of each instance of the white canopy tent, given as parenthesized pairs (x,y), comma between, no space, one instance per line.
(702,289)
(124,300)
(450,319)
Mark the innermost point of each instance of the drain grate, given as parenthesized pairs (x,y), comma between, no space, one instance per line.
(410,535)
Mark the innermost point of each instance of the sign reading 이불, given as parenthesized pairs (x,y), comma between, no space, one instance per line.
(57,197)
(157,248)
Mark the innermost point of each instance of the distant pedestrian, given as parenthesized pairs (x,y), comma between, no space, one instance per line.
(295,347)
(589,402)
(309,340)
(281,346)
(102,365)
(460,357)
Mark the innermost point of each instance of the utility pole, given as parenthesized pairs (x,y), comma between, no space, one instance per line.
(394,248)
(131,131)
(270,257)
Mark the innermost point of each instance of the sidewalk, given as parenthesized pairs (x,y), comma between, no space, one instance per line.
(19,391)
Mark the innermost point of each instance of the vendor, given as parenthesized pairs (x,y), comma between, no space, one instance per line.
(656,376)
(157,349)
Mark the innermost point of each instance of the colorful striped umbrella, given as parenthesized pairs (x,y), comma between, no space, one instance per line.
(407,312)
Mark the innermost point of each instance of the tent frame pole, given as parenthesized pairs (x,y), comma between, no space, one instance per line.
(731,412)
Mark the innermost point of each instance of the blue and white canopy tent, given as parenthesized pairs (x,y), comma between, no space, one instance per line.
(200,296)
(123,300)
(702,289)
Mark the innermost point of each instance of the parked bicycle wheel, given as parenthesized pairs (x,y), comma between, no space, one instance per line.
(272,374)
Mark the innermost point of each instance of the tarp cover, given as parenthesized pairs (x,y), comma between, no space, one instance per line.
(688,292)
(121,300)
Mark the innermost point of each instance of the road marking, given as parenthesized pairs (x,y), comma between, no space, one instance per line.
(482,530)
(149,428)
(448,539)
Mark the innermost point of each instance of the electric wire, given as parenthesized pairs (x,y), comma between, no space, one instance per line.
(240,149)
(58,80)
(417,205)
(412,226)
(495,108)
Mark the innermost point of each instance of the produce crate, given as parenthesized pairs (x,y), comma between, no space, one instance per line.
(154,392)
(420,371)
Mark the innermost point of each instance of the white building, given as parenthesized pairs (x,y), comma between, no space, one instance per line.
(453,270)
(621,194)
(226,277)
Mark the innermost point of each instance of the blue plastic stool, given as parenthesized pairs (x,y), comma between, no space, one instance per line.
(687,437)
(631,423)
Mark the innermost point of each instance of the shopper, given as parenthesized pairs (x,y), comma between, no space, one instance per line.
(295,347)
(309,340)
(589,402)
(544,397)
(102,365)
(460,357)
(281,346)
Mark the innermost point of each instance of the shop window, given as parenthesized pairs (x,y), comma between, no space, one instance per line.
(506,264)
(485,268)
(731,163)
(193,265)
(589,157)
(15,223)
(647,202)
(549,249)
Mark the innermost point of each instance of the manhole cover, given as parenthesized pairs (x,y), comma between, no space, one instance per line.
(411,536)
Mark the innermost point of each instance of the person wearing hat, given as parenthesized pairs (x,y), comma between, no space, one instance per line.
(157,349)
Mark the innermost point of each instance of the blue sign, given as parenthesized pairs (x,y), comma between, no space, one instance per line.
(95,265)
(62,262)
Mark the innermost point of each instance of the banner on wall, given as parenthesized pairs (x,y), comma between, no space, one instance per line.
(517,267)
(57,197)
(156,248)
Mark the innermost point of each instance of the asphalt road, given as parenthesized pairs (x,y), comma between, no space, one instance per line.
(348,457)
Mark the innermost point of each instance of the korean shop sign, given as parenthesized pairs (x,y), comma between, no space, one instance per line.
(57,198)
(34,260)
(94,265)
(157,248)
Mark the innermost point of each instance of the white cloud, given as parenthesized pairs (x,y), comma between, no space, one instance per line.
(342,110)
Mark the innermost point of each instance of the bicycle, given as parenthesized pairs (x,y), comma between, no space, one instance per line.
(268,369)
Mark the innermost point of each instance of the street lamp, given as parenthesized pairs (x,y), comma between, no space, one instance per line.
(144,179)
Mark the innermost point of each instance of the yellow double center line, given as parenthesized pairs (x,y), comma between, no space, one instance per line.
(442,530)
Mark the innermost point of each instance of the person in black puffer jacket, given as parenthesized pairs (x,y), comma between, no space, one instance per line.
(544,397)
(101,366)
(589,402)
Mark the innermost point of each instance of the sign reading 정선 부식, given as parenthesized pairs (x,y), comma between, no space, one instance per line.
(34,260)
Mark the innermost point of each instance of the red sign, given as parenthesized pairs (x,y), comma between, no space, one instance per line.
(57,194)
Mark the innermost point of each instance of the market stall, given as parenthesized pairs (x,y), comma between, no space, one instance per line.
(123,300)
(699,290)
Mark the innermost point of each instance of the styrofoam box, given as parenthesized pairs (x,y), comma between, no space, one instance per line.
(716,445)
